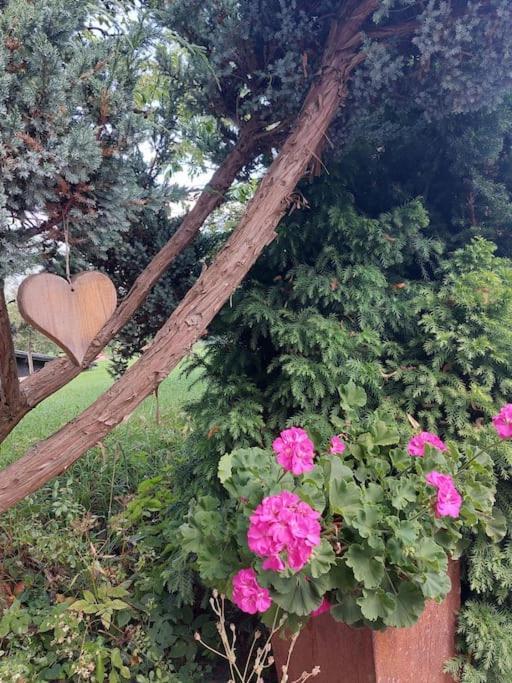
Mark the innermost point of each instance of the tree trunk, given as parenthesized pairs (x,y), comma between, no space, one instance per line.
(207,296)
(10,396)
(59,372)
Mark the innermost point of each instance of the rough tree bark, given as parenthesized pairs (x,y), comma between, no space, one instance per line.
(206,297)
(10,397)
(59,372)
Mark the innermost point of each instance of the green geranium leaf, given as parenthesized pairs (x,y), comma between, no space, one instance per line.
(374,493)
(449,538)
(409,604)
(216,564)
(480,460)
(367,520)
(345,498)
(395,551)
(342,577)
(225,467)
(347,610)
(364,443)
(381,468)
(353,396)
(338,470)
(433,460)
(322,559)
(251,473)
(365,566)
(400,459)
(482,494)
(315,477)
(385,434)
(496,525)
(312,489)
(403,492)
(297,594)
(376,543)
(406,531)
(376,604)
(436,585)
(362,473)
(431,555)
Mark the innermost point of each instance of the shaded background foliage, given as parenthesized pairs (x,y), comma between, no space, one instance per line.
(368,284)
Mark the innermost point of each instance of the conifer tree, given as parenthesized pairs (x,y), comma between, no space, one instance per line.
(67,128)
(361,52)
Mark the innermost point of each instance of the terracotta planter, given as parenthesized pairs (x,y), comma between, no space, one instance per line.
(396,655)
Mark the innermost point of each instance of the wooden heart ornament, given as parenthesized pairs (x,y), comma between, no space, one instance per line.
(70,315)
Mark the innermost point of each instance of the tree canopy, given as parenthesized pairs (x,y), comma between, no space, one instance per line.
(270,78)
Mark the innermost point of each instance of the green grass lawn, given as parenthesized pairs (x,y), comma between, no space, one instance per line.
(80,393)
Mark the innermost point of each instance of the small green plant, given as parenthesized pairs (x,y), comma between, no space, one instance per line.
(365,529)
(103,605)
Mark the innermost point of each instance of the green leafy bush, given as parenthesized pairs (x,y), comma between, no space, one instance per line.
(382,551)
(337,312)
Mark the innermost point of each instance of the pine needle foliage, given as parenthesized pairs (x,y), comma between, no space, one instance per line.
(369,300)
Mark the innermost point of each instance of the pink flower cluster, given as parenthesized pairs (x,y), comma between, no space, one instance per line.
(503,422)
(416,446)
(337,445)
(248,595)
(449,500)
(295,450)
(284,530)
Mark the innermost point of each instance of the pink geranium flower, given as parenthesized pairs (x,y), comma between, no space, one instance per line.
(416,446)
(449,500)
(324,607)
(438,480)
(337,445)
(503,422)
(248,595)
(284,530)
(294,450)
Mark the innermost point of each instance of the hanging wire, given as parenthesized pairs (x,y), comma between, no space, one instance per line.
(157,406)
(65,223)
(30,359)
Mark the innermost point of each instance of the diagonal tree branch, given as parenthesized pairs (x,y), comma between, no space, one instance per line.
(10,395)
(59,372)
(213,288)
(405,29)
